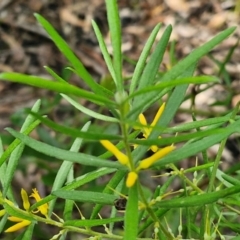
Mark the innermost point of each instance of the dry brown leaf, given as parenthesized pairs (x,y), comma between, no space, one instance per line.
(217,20)
(178,5)
(15,46)
(68,16)
(235,100)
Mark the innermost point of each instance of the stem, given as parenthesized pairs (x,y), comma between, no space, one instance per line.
(152,214)
(216,164)
(181,175)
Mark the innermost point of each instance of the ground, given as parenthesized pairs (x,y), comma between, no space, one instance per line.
(26,48)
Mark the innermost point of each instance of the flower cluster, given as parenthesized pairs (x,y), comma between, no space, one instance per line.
(21,223)
(147,162)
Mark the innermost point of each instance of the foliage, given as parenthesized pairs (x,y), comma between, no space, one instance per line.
(193,211)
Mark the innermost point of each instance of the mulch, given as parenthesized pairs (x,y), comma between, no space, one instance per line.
(26,48)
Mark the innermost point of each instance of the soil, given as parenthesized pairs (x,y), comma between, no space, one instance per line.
(26,48)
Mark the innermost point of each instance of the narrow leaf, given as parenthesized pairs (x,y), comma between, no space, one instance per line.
(61,154)
(17,152)
(198,146)
(89,112)
(104,51)
(142,59)
(65,167)
(115,32)
(86,196)
(92,223)
(88,177)
(73,132)
(131,215)
(198,200)
(71,57)
(55,86)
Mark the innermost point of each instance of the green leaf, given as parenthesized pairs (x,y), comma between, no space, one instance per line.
(197,200)
(160,213)
(149,74)
(19,213)
(232,201)
(61,154)
(199,168)
(92,223)
(131,215)
(179,70)
(171,84)
(71,57)
(152,67)
(89,112)
(104,51)
(3,222)
(16,142)
(66,166)
(28,232)
(220,177)
(17,152)
(112,184)
(88,177)
(198,146)
(197,124)
(54,75)
(234,227)
(73,132)
(196,54)
(232,180)
(180,138)
(115,33)
(55,86)
(86,196)
(142,59)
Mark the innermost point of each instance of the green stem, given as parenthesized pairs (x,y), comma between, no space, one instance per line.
(181,175)
(152,214)
(216,164)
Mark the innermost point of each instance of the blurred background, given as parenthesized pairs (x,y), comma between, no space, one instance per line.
(25,47)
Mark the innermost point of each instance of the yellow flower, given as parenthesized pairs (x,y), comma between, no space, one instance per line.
(26,203)
(144,164)
(131,179)
(121,157)
(21,223)
(147,162)
(146,130)
(43,209)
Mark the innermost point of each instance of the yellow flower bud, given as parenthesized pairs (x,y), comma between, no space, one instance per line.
(26,203)
(121,157)
(143,121)
(147,162)
(18,226)
(131,179)
(158,115)
(154,148)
